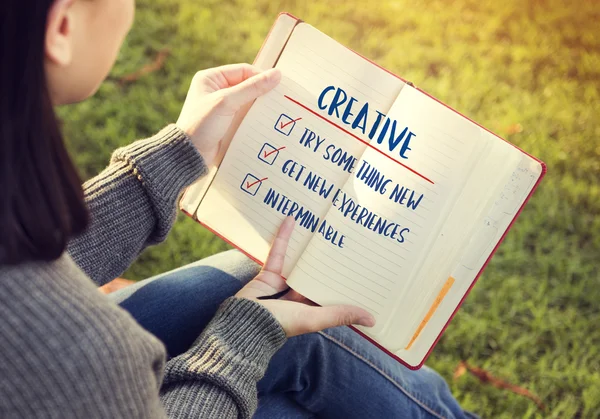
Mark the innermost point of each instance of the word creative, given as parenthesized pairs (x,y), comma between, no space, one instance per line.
(336,101)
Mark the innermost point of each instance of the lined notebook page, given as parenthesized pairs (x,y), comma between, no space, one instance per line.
(519,184)
(285,159)
(490,174)
(373,270)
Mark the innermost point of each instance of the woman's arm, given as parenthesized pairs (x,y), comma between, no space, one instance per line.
(68,351)
(64,347)
(217,377)
(132,202)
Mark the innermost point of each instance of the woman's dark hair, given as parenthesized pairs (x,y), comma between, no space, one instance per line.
(41,199)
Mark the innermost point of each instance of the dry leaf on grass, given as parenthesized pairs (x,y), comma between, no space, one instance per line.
(514,129)
(485,377)
(155,65)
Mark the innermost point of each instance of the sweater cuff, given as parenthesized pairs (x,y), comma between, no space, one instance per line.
(165,163)
(231,355)
(249,329)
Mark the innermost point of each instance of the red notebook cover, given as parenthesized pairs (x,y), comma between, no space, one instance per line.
(518,212)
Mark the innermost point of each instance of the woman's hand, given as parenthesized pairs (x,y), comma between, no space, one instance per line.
(215,96)
(296,314)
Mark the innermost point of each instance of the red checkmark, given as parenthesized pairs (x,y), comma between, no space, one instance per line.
(282,125)
(265,154)
(249,185)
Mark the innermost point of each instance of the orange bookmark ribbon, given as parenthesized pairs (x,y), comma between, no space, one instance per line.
(438,300)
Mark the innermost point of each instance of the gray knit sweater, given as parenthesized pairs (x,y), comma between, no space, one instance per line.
(66,351)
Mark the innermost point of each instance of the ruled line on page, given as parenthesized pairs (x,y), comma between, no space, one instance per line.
(337,290)
(345,275)
(342,70)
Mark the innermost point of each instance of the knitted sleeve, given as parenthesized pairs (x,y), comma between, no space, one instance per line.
(132,202)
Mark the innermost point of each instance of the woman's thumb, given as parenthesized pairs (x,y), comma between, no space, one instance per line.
(340,315)
(251,88)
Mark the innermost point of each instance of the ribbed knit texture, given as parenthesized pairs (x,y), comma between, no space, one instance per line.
(67,351)
(133,202)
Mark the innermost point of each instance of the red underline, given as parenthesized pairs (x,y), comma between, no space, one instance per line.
(359,139)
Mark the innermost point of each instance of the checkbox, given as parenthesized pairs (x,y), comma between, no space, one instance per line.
(269,153)
(251,184)
(285,124)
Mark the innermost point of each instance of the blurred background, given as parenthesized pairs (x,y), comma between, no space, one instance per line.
(527,70)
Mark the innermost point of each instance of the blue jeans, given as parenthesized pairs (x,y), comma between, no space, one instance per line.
(332,374)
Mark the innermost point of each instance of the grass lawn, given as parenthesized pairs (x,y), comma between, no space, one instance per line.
(528,70)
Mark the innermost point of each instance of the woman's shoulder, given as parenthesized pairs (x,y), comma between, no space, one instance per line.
(53,313)
(57,297)
(59,333)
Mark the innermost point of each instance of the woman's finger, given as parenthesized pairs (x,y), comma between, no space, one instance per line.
(234,74)
(230,74)
(250,89)
(276,258)
(319,318)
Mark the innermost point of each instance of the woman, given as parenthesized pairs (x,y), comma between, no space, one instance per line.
(66,350)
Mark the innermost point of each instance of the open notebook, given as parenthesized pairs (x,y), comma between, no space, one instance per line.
(399,200)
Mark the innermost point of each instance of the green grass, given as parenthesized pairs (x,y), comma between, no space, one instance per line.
(534,317)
